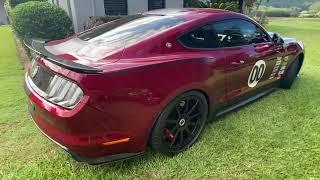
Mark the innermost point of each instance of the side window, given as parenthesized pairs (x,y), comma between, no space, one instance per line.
(204,37)
(237,32)
(260,36)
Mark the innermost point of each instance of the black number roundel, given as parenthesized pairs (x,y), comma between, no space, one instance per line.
(256,73)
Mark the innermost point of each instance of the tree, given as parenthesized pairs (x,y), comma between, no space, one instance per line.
(242,6)
(315,7)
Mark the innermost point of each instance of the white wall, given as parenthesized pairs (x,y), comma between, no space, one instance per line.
(80,10)
(174,3)
(137,6)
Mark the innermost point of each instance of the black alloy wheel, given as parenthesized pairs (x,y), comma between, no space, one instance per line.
(180,124)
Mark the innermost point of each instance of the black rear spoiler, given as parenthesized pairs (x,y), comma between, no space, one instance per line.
(37,46)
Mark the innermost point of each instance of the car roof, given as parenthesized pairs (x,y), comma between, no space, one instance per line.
(192,12)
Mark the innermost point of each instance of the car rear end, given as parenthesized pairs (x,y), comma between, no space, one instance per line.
(58,104)
(73,97)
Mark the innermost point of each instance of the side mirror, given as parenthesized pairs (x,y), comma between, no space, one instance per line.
(276,39)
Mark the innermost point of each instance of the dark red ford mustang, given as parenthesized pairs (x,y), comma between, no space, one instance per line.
(152,79)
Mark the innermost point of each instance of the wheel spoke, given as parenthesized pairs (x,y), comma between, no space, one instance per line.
(188,130)
(193,107)
(181,138)
(194,115)
(178,111)
(174,139)
(192,123)
(186,106)
(171,121)
(173,131)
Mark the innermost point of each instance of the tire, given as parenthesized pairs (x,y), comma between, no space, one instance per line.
(180,123)
(290,76)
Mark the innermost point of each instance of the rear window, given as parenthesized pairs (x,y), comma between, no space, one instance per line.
(129,29)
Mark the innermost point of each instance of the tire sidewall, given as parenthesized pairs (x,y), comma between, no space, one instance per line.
(291,75)
(157,131)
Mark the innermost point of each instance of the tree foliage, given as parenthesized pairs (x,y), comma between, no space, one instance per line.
(14,3)
(315,7)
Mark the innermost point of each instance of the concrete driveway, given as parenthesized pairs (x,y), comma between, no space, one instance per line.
(3,15)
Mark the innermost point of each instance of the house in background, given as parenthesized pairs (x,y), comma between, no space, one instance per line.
(81,10)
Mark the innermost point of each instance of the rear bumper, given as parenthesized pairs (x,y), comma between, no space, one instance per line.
(81,132)
(92,161)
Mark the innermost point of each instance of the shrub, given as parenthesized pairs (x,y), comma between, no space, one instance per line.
(309,14)
(41,20)
(305,15)
(98,20)
(14,3)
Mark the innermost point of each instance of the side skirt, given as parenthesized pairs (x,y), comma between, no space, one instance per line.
(241,103)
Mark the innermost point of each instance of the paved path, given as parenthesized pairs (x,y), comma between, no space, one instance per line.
(3,15)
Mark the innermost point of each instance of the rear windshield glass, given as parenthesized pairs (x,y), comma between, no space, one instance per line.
(130,29)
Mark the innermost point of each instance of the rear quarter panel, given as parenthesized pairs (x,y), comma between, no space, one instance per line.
(133,98)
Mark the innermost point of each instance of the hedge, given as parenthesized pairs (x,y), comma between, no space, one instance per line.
(14,3)
(41,20)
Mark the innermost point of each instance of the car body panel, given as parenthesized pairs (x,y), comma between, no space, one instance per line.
(137,81)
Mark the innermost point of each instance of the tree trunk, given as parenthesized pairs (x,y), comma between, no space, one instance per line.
(242,6)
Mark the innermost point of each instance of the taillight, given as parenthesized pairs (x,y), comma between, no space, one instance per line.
(63,92)
(59,90)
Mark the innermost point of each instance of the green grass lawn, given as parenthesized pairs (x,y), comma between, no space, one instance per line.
(275,137)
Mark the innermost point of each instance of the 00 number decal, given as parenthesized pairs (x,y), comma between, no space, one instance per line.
(256,73)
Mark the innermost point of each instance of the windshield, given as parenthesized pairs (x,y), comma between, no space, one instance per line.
(129,29)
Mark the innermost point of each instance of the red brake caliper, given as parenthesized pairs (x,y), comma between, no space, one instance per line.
(169,134)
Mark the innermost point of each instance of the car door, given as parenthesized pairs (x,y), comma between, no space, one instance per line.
(204,42)
(249,56)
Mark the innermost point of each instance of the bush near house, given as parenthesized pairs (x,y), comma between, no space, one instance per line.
(14,3)
(10,4)
(41,20)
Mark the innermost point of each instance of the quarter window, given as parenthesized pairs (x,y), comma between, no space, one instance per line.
(204,37)
(237,32)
